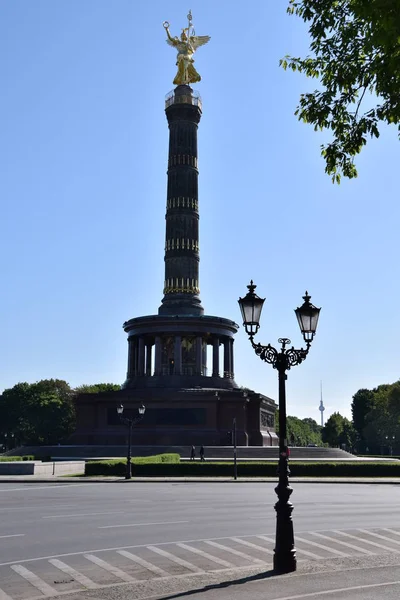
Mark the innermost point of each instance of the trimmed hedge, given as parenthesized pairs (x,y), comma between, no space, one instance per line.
(245,469)
(16,458)
(117,467)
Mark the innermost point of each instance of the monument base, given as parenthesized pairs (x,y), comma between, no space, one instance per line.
(177,417)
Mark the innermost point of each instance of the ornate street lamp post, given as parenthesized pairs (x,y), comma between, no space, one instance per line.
(281,360)
(130,422)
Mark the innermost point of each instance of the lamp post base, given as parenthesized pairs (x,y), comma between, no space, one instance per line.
(285,551)
(285,562)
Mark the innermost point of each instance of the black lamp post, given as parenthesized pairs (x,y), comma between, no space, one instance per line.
(130,422)
(390,439)
(281,360)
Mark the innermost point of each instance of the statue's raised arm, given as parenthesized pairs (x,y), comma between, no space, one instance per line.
(170,40)
(186,46)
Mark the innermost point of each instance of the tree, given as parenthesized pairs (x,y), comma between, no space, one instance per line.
(313,425)
(333,430)
(348,435)
(301,432)
(38,413)
(362,403)
(355,47)
(96,388)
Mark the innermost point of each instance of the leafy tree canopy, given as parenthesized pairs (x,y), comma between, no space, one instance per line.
(37,413)
(338,430)
(301,432)
(355,46)
(362,403)
(376,418)
(96,388)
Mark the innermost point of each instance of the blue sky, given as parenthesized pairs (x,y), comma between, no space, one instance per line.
(83,153)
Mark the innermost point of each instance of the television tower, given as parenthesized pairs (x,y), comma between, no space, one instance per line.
(322,408)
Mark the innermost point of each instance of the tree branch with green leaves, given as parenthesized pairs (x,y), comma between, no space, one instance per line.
(355,50)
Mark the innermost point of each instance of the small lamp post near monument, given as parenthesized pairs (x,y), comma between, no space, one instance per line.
(390,439)
(130,422)
(281,360)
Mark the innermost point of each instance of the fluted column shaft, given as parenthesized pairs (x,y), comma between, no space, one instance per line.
(215,370)
(148,358)
(199,355)
(157,356)
(178,355)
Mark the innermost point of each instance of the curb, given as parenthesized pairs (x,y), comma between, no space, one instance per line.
(296,480)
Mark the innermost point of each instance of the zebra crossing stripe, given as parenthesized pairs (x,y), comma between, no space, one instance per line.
(143,563)
(364,541)
(236,552)
(176,559)
(305,552)
(4,596)
(382,537)
(333,550)
(250,545)
(352,546)
(107,567)
(219,561)
(85,581)
(34,580)
(391,531)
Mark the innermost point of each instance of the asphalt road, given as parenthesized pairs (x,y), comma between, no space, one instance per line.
(66,538)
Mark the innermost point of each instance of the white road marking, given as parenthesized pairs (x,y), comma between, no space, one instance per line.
(40,507)
(352,546)
(4,596)
(322,546)
(85,581)
(112,549)
(141,524)
(114,512)
(206,555)
(45,487)
(382,537)
(337,590)
(250,545)
(144,563)
(391,531)
(364,541)
(176,559)
(107,567)
(12,535)
(233,551)
(34,580)
(305,552)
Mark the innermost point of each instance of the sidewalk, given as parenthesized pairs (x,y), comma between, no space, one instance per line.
(376,577)
(293,480)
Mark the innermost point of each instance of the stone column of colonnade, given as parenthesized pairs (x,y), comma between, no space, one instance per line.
(215,370)
(149,347)
(228,358)
(140,365)
(157,355)
(178,355)
(140,356)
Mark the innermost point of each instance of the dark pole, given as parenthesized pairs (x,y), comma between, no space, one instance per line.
(282,360)
(284,553)
(234,450)
(128,458)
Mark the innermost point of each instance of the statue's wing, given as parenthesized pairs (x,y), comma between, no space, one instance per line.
(199,40)
(171,42)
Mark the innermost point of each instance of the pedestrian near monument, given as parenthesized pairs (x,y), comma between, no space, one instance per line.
(192,453)
(202,453)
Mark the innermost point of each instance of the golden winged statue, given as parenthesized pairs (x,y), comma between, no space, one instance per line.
(186,47)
